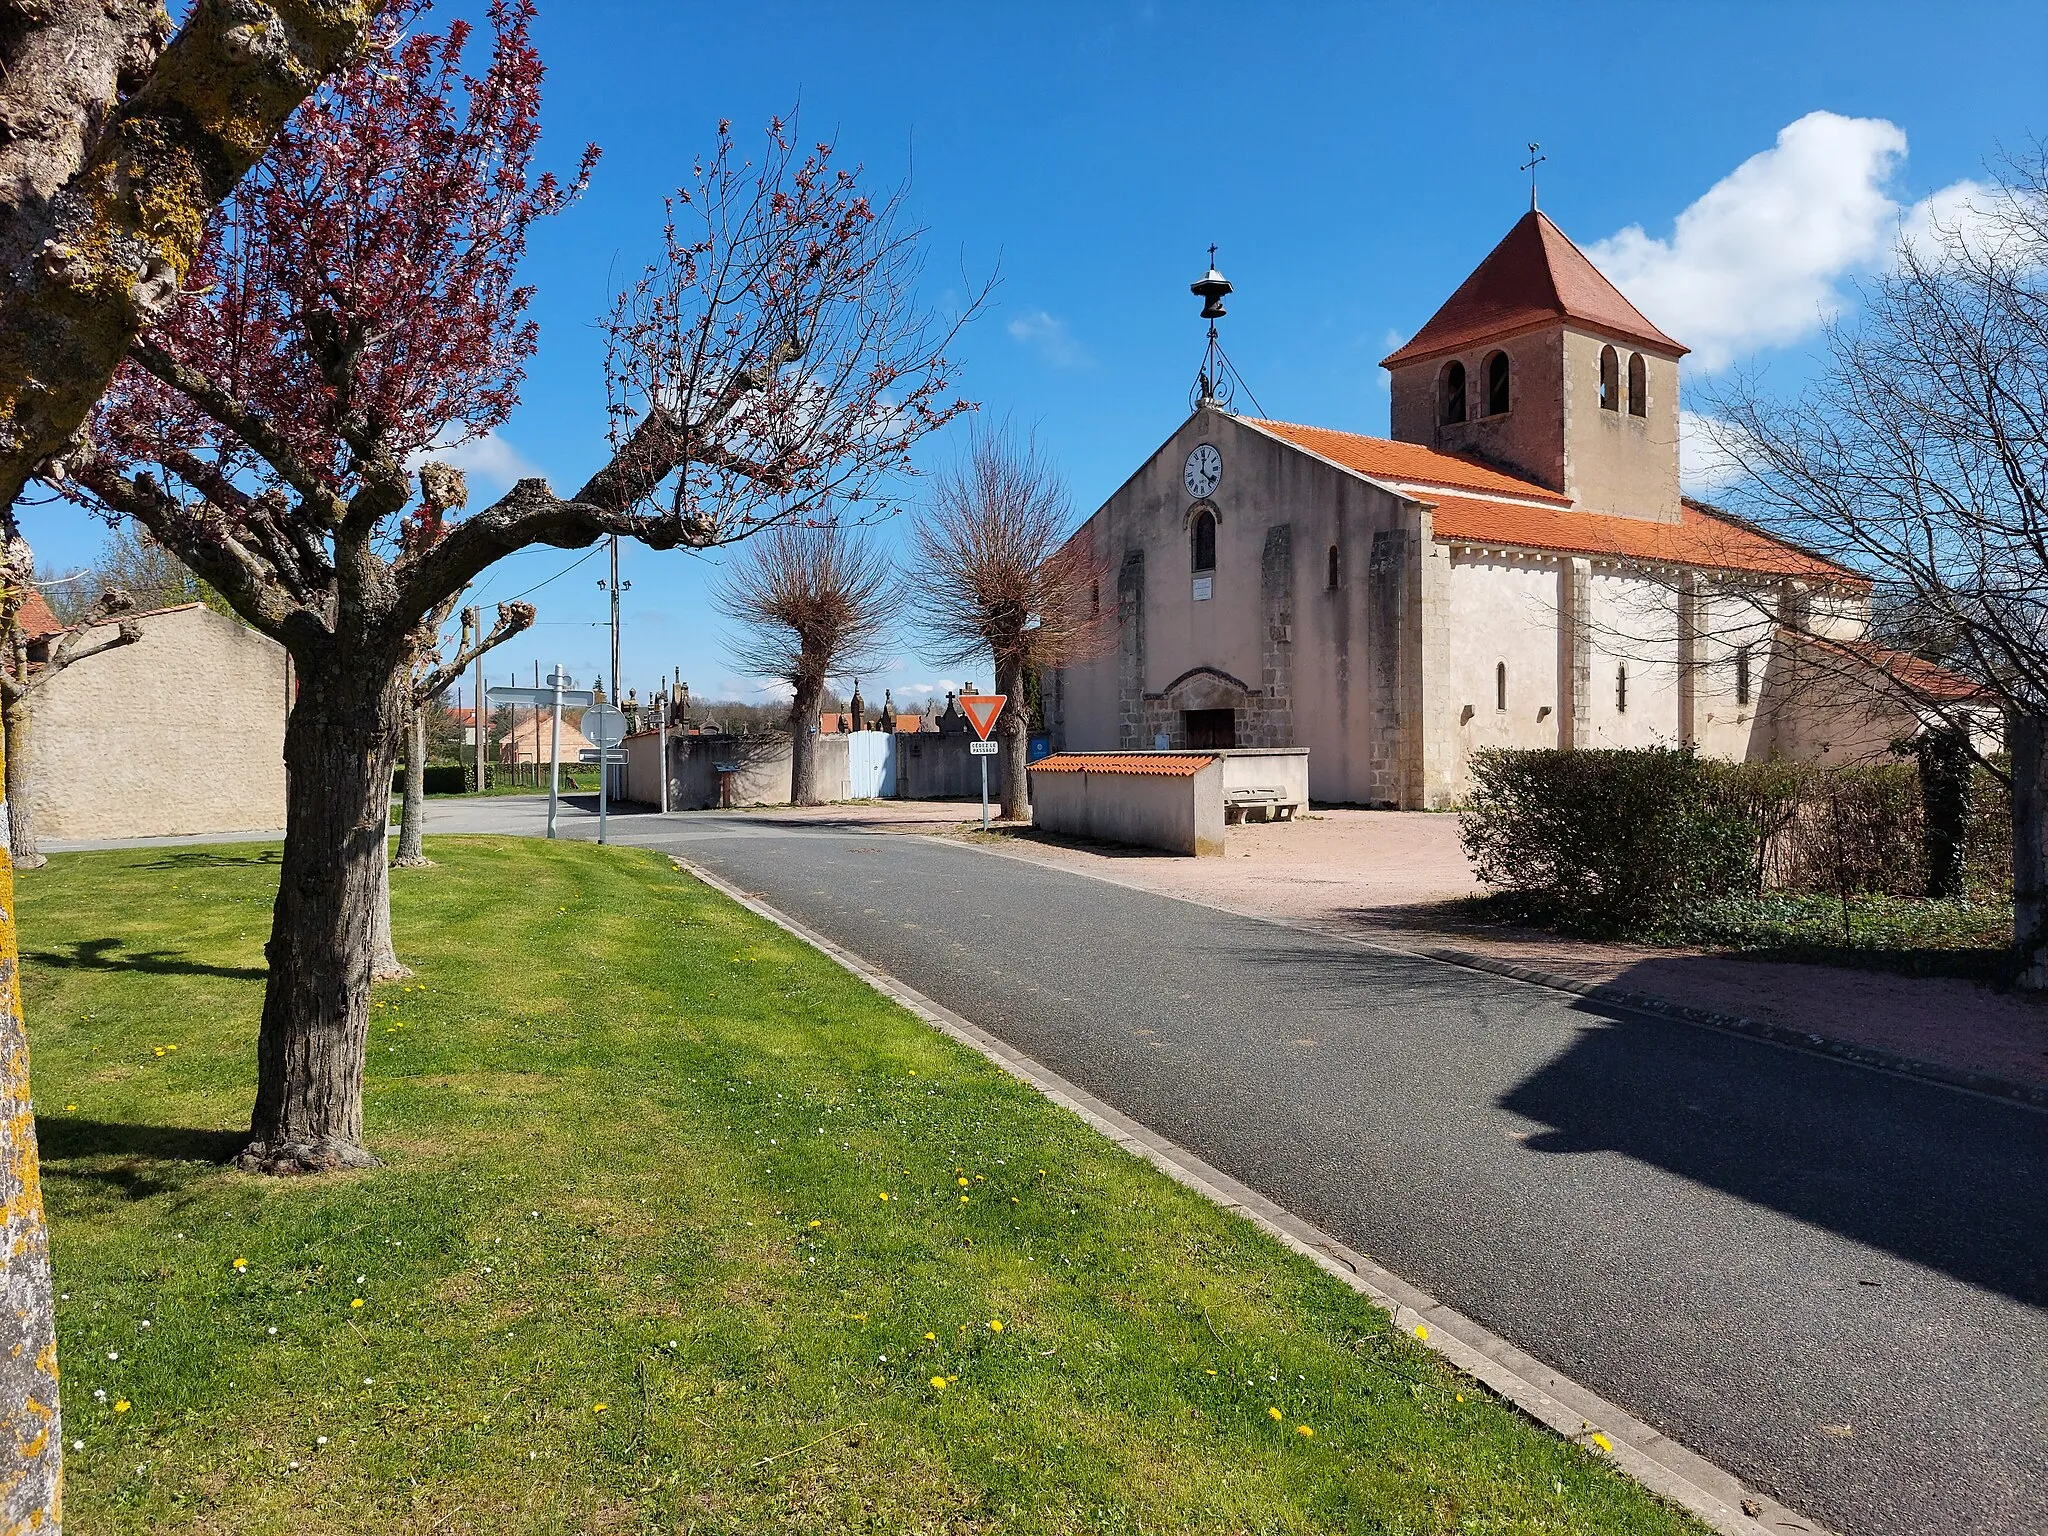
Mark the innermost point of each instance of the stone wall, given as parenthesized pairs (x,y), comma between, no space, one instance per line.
(181,733)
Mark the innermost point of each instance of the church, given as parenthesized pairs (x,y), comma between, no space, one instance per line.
(1514,566)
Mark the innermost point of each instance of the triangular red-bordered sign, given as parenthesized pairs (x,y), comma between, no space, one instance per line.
(982,709)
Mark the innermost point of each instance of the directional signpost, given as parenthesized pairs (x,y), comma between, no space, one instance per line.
(606,728)
(557,693)
(981,710)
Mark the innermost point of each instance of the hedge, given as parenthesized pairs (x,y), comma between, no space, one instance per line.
(1615,841)
(441,779)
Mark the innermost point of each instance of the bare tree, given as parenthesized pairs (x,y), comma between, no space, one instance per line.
(1920,457)
(996,574)
(812,602)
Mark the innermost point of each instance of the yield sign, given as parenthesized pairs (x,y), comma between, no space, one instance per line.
(982,709)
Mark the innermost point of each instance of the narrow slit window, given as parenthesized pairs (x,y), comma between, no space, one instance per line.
(1610,379)
(1202,541)
(1335,569)
(1497,381)
(1621,689)
(1638,385)
(1742,674)
(1452,391)
(1500,686)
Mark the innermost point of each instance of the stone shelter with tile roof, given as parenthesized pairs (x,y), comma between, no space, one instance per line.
(1514,566)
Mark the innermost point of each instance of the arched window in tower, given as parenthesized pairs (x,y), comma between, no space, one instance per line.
(1497,384)
(1451,394)
(1610,380)
(1202,541)
(1335,569)
(1638,386)
(1094,599)
(1621,689)
(1500,686)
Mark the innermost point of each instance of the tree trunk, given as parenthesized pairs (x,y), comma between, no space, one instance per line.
(2027,735)
(412,832)
(316,1008)
(803,743)
(1013,731)
(31,1430)
(21,823)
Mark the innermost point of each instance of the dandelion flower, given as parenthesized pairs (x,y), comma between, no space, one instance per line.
(961,1182)
(816,1224)
(355,1304)
(933,1337)
(1304,1431)
(938,1383)
(71,1106)
(599,1407)
(995,1325)
(1461,1397)
(1422,1333)
(1273,1413)
(121,1406)
(885,1194)
(1603,1442)
(1212,1373)
(241,1264)
(159,1050)
(963,1199)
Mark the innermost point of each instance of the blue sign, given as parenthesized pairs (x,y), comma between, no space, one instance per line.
(1040,746)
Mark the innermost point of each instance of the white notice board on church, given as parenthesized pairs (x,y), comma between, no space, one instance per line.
(1202,588)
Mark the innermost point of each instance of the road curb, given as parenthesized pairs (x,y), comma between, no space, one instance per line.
(1549,1397)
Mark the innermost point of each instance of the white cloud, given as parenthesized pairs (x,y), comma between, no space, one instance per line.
(1048,336)
(1958,209)
(1756,261)
(1704,466)
(490,463)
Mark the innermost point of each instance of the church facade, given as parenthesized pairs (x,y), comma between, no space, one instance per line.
(1515,566)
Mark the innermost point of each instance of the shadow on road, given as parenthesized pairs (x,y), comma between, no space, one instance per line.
(1939,1178)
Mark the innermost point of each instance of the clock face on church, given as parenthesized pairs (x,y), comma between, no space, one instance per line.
(1204,471)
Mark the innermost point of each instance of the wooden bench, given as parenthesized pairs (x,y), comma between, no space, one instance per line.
(1272,804)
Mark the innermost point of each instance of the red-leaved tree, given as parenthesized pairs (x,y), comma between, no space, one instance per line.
(358,307)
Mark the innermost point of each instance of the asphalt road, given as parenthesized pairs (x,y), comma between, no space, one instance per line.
(1829,1280)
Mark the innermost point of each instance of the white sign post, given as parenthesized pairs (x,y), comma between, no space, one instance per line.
(606,728)
(557,693)
(981,710)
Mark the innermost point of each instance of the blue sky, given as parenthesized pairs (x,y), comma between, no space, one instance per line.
(1352,163)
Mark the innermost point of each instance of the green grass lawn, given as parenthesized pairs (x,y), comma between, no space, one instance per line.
(679,1228)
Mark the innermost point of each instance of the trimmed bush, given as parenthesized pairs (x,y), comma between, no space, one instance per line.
(1604,842)
(440,779)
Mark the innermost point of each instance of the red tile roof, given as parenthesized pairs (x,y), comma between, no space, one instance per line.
(1702,537)
(1915,675)
(1166,765)
(1533,277)
(1386,459)
(35,618)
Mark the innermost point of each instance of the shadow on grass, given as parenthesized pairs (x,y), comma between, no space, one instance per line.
(111,955)
(134,1161)
(211,858)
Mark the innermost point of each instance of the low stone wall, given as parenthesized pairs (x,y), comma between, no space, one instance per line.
(760,764)
(1170,800)
(1282,771)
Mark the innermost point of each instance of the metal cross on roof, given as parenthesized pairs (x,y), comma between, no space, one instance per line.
(1530,165)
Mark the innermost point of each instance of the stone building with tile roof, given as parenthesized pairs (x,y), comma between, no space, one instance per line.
(1515,565)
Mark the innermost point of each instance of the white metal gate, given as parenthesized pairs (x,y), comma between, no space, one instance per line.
(870,765)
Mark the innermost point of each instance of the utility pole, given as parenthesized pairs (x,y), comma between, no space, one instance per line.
(476,626)
(604,767)
(559,680)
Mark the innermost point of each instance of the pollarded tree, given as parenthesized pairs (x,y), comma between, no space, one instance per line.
(116,146)
(812,602)
(357,308)
(996,573)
